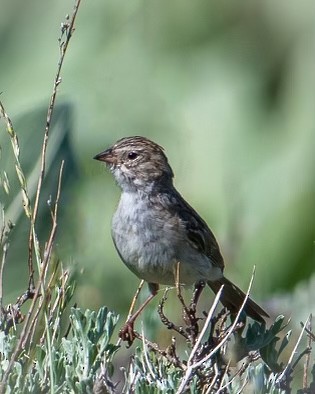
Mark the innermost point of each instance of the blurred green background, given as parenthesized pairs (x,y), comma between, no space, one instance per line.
(226,87)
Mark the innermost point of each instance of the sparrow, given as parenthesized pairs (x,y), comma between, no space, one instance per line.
(154,228)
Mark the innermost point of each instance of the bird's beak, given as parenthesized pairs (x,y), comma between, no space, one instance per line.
(106,156)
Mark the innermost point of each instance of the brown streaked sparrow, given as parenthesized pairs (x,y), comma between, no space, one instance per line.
(154,228)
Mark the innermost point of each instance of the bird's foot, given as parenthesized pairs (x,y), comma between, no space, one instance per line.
(127,332)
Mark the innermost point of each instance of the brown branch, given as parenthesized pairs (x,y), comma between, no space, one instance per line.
(196,295)
(169,355)
(170,325)
(309,332)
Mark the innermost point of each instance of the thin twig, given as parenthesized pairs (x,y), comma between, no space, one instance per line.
(67,31)
(226,369)
(178,288)
(193,352)
(22,180)
(3,237)
(240,371)
(188,312)
(231,329)
(284,372)
(4,255)
(67,28)
(170,325)
(47,254)
(214,379)
(18,168)
(309,332)
(191,367)
(164,353)
(308,356)
(196,295)
(205,326)
(145,352)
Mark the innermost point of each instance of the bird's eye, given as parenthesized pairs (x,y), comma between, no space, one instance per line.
(132,155)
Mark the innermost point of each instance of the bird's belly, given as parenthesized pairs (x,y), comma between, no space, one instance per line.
(151,244)
(155,258)
(147,256)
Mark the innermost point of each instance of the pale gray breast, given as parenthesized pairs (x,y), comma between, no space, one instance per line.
(146,240)
(151,241)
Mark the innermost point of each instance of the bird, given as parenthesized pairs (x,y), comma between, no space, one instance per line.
(154,228)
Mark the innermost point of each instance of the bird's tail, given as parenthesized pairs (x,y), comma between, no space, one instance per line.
(232,298)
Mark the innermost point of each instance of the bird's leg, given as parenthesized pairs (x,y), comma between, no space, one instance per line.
(134,300)
(127,333)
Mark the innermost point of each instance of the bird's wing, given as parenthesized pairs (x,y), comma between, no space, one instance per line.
(198,232)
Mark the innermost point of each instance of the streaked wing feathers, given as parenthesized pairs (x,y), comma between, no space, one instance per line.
(198,233)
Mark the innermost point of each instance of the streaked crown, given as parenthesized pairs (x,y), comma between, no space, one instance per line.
(137,162)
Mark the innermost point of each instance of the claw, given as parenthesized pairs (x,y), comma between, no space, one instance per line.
(127,333)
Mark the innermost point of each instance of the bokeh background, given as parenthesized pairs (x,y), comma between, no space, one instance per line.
(228,88)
